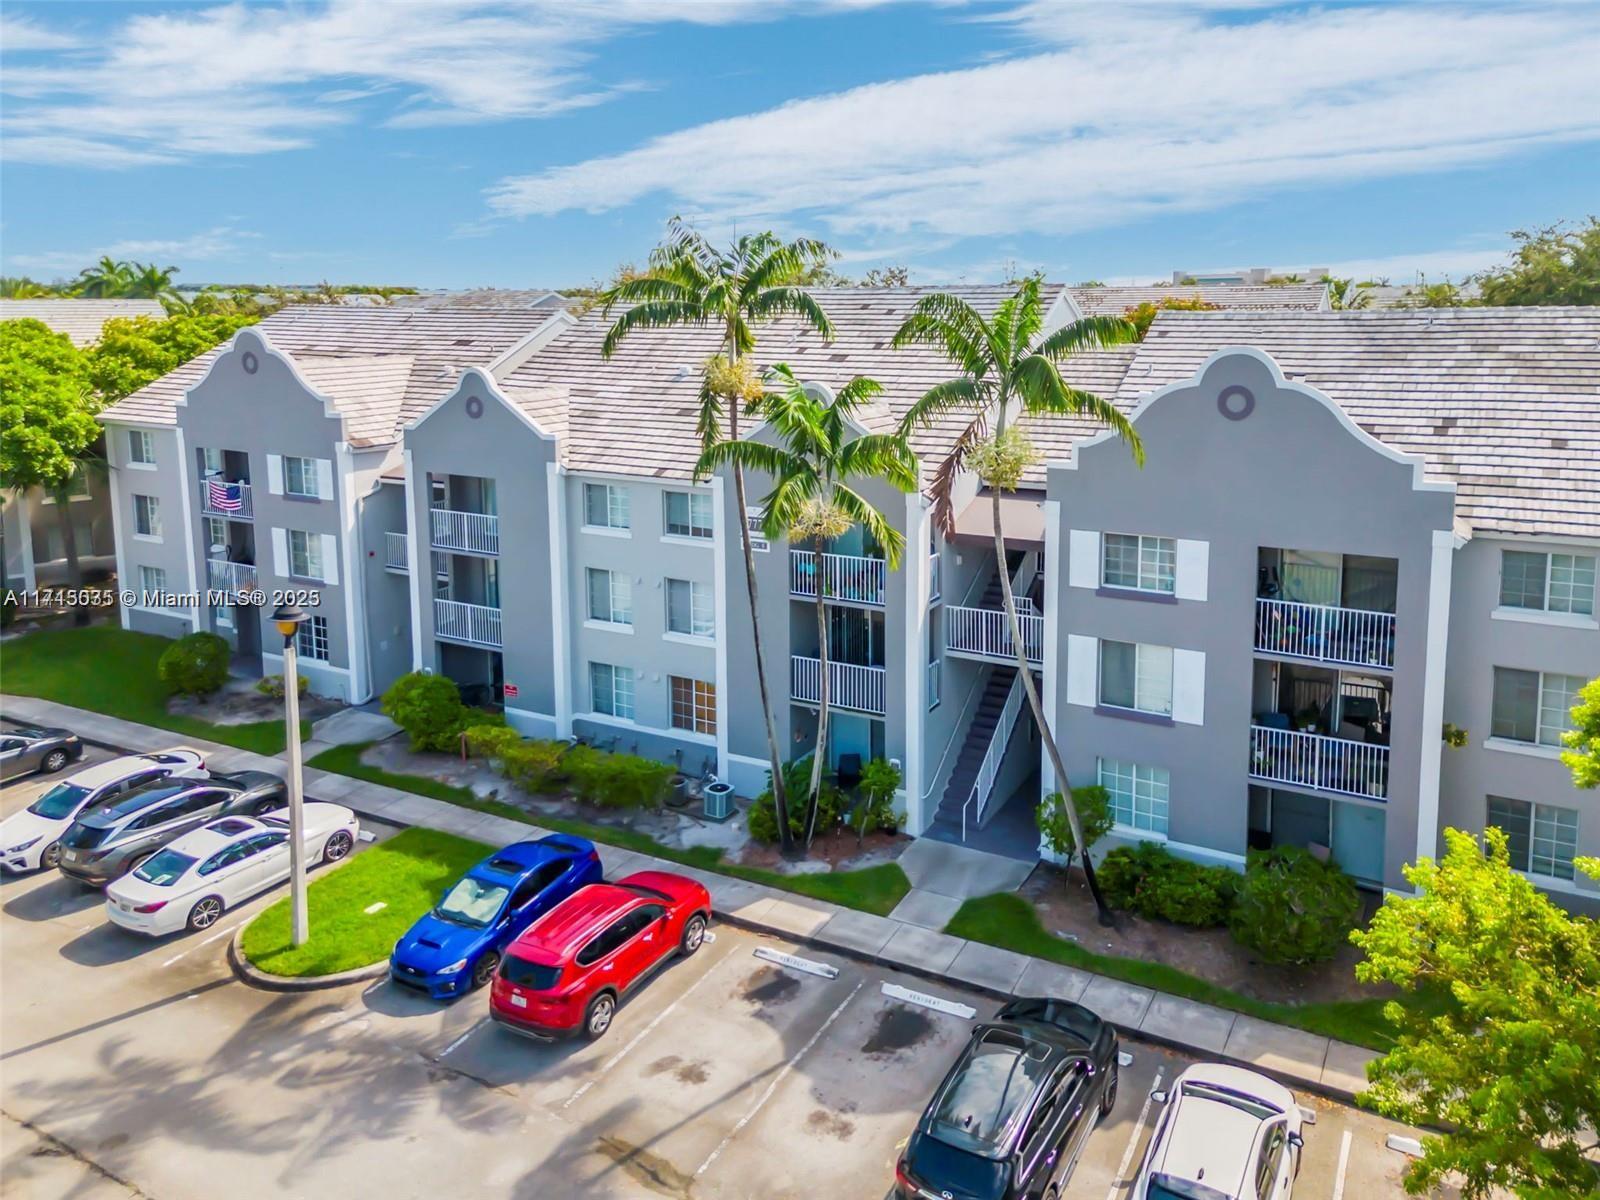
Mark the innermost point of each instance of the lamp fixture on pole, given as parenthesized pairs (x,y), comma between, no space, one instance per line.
(288,618)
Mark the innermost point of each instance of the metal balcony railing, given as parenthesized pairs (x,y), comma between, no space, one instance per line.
(225,498)
(475,624)
(844,576)
(1312,760)
(986,633)
(394,552)
(469,532)
(860,689)
(1354,636)
(225,576)
(935,582)
(982,794)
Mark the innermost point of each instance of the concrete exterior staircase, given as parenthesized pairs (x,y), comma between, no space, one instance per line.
(985,716)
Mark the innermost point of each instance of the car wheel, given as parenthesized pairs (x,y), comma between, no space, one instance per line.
(597,1017)
(1108,1098)
(483,970)
(205,913)
(50,857)
(337,847)
(694,935)
(54,761)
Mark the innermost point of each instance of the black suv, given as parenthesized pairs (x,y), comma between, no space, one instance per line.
(107,842)
(1012,1116)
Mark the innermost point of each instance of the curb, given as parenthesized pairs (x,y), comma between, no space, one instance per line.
(255,977)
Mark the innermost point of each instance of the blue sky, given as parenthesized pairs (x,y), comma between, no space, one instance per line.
(450,143)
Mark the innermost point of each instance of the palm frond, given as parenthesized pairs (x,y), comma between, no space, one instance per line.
(746,453)
(879,456)
(858,391)
(943,398)
(791,301)
(1089,333)
(655,314)
(941,490)
(1042,391)
(1027,316)
(859,509)
(950,324)
(709,418)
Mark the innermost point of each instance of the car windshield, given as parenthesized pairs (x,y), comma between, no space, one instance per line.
(1243,1101)
(1169,1187)
(472,902)
(980,1105)
(540,977)
(60,802)
(165,868)
(85,837)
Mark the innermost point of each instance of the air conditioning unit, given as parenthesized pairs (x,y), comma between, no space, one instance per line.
(717,800)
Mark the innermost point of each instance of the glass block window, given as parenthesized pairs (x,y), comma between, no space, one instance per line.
(1138,794)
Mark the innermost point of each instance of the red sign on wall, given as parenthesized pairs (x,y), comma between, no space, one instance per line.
(511,691)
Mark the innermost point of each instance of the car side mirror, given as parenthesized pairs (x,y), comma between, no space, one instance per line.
(1159,1097)
(1296,1141)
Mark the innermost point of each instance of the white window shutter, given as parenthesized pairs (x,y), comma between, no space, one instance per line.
(1082,669)
(280,553)
(325,479)
(1083,558)
(330,558)
(1193,564)
(1189,686)
(275,476)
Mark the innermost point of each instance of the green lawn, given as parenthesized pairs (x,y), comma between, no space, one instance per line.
(113,671)
(871,889)
(407,873)
(1009,921)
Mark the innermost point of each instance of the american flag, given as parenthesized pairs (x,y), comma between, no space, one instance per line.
(224,497)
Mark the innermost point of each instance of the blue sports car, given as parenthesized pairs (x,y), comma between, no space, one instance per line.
(456,947)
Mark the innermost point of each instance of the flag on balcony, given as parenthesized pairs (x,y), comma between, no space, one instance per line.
(224,497)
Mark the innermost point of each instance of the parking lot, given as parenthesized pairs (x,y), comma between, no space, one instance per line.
(131,1067)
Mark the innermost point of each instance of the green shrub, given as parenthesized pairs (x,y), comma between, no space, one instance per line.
(196,665)
(1151,881)
(1094,813)
(762,819)
(533,764)
(272,685)
(609,780)
(874,805)
(1293,908)
(428,707)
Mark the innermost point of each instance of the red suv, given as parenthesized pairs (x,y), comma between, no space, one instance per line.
(567,972)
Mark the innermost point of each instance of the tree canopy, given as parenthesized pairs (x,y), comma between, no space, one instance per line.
(1582,755)
(1508,1067)
(1554,265)
(46,408)
(134,351)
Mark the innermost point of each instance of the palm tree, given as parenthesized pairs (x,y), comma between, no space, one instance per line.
(148,281)
(820,453)
(108,277)
(1008,372)
(689,282)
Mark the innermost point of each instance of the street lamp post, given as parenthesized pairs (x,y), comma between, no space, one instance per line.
(288,618)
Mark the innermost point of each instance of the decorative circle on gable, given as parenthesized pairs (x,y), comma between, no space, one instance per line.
(474,407)
(250,362)
(1236,402)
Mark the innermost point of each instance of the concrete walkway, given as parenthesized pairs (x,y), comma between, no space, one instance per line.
(910,939)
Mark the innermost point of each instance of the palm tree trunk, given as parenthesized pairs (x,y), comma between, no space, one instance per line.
(1025,673)
(69,542)
(780,800)
(815,795)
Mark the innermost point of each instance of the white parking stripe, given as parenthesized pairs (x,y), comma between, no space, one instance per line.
(777,1079)
(1117,1180)
(206,941)
(1344,1162)
(606,1066)
(453,1045)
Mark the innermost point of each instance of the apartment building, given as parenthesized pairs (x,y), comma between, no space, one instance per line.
(1351,529)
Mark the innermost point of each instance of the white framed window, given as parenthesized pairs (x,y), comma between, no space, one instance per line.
(610,596)
(1543,839)
(1533,706)
(311,639)
(606,506)
(305,555)
(1138,561)
(1136,676)
(300,478)
(1138,794)
(694,704)
(211,460)
(216,537)
(611,690)
(147,516)
(1557,583)
(152,583)
(690,609)
(141,447)
(689,514)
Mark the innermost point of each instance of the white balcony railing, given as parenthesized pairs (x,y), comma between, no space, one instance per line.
(474,533)
(1355,636)
(860,689)
(982,793)
(935,683)
(986,633)
(844,576)
(1327,764)
(476,624)
(935,583)
(225,576)
(230,499)
(394,552)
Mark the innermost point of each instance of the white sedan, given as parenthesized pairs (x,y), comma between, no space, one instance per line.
(193,881)
(1227,1134)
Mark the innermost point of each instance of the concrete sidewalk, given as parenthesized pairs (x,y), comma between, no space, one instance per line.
(903,940)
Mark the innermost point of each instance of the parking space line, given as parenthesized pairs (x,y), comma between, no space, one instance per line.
(606,1066)
(1117,1180)
(455,1044)
(1344,1163)
(777,1079)
(206,941)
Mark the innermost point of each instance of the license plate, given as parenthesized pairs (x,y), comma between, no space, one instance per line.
(127,908)
(520,1001)
(69,856)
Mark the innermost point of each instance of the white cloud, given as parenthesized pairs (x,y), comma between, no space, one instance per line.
(20,33)
(1436,265)
(223,243)
(1120,119)
(252,78)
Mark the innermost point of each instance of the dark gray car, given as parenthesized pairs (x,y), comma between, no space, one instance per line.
(107,842)
(25,749)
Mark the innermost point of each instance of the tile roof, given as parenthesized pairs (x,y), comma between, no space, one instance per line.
(1114,301)
(1502,402)
(80,320)
(541,298)
(430,347)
